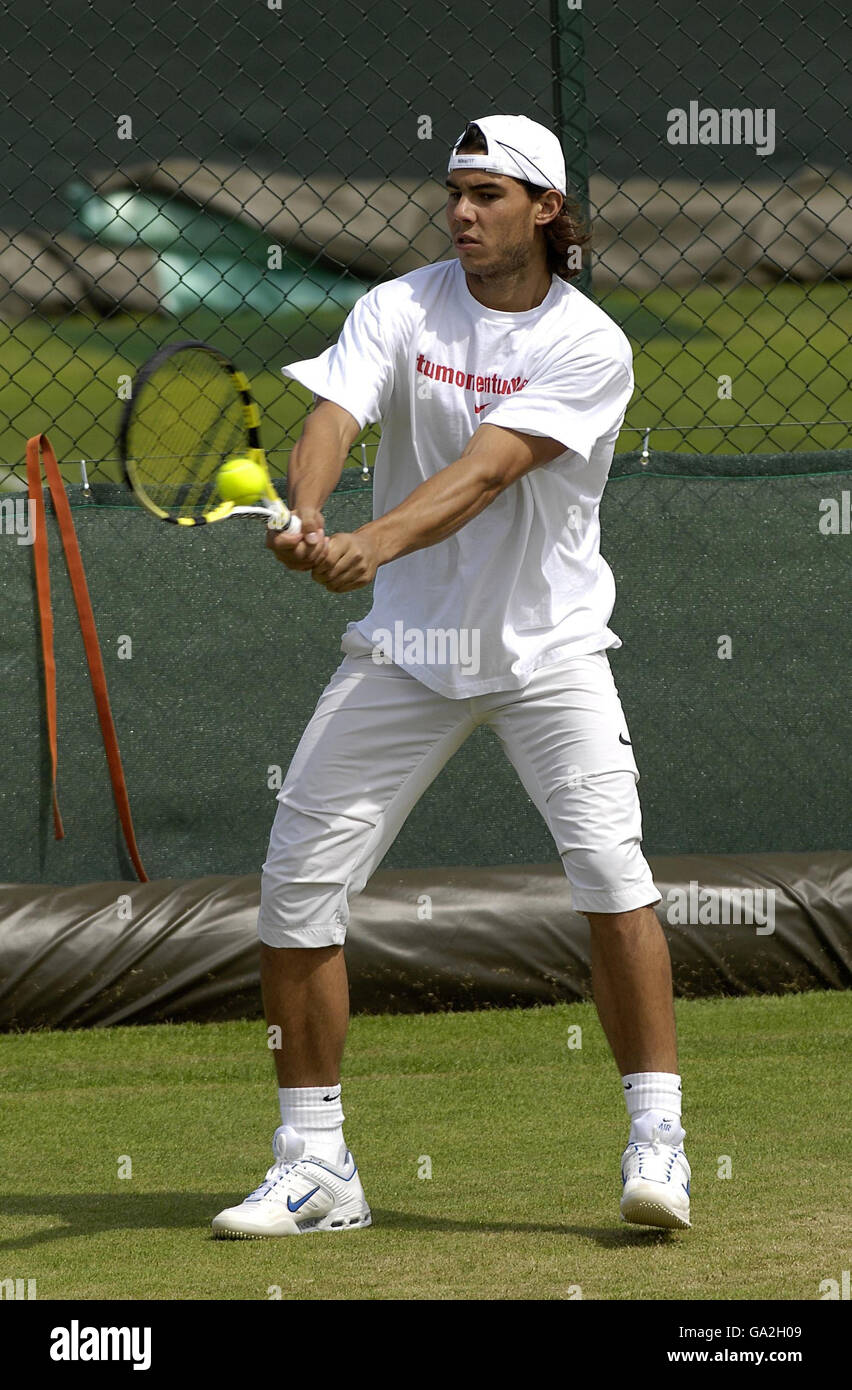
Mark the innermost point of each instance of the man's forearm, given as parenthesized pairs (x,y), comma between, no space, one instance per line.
(316,463)
(494,460)
(434,510)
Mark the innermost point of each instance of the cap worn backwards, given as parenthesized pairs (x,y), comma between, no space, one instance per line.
(519,148)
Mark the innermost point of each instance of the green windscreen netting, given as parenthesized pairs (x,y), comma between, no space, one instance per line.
(733,581)
(241,173)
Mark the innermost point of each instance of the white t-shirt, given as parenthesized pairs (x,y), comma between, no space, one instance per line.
(523,584)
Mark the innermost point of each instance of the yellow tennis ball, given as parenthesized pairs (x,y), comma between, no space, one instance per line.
(241,481)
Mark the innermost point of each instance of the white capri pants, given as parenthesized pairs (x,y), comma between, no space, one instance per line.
(379,737)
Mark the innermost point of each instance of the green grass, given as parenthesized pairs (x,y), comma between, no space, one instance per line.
(61,377)
(788,351)
(524,1136)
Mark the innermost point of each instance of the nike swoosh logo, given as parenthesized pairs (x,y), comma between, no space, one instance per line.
(628,1085)
(294,1206)
(337,1097)
(477,408)
(622,739)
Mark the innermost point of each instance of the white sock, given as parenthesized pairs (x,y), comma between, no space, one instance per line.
(653,1100)
(317,1113)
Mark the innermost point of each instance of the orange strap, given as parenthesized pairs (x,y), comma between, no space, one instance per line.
(40,445)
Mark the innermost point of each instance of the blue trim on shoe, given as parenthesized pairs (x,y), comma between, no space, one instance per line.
(302,1200)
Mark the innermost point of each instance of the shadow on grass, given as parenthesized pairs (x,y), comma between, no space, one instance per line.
(90,1213)
(608,1237)
(86,1214)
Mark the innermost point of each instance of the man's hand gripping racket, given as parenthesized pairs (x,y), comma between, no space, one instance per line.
(300,549)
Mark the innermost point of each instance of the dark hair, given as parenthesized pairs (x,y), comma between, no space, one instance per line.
(567,229)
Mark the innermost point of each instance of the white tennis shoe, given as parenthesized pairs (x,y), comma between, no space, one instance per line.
(299,1194)
(656,1180)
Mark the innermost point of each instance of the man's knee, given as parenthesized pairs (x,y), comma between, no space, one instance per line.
(304,913)
(297,961)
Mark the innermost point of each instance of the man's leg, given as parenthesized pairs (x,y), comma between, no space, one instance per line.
(567,737)
(377,739)
(306,995)
(632,986)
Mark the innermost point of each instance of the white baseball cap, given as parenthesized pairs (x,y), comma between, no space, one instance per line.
(519,147)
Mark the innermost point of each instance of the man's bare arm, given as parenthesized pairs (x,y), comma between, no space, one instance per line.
(317,460)
(493,460)
(316,464)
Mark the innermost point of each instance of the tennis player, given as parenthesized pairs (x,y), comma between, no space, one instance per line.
(500,389)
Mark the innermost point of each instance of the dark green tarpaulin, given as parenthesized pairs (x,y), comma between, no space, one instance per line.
(229,652)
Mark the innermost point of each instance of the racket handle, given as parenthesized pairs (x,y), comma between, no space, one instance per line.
(292,525)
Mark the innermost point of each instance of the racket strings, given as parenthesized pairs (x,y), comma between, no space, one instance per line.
(187,421)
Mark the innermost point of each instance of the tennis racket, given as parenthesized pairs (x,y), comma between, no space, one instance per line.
(190,411)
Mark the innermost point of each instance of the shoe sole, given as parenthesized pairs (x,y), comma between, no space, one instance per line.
(355,1223)
(642,1212)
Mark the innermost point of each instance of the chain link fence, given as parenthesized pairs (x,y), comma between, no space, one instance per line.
(243,170)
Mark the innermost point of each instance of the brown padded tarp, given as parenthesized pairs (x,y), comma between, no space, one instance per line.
(680,233)
(419,940)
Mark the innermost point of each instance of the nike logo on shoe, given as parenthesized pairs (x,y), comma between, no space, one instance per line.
(294,1206)
(622,739)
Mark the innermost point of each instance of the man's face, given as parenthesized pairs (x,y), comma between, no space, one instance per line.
(492,221)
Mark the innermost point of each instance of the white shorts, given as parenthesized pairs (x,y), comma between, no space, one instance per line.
(379,737)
